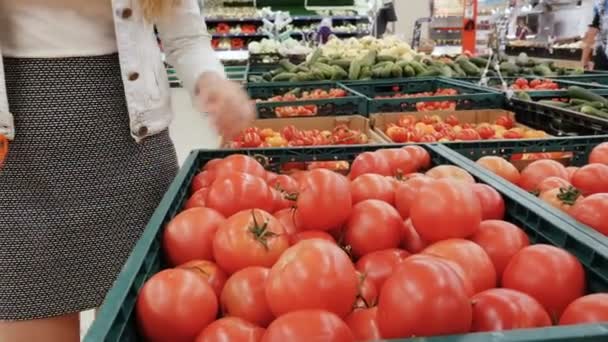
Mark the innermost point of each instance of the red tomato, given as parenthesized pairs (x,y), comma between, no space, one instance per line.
(373,226)
(492,204)
(571,170)
(452,120)
(310,234)
(281,200)
(505,309)
(368,294)
(211,164)
(189,236)
(202,180)
(538,170)
(239,191)
(211,272)
(424,297)
(588,309)
(467,134)
(505,121)
(410,239)
(551,275)
(475,262)
(561,198)
(599,154)
(592,211)
(407,192)
(379,265)
(307,326)
(197,200)
(364,325)
(249,238)
(244,297)
(239,163)
(486,132)
(455,213)
(420,155)
(284,183)
(372,186)
(397,134)
(500,167)
(324,201)
(552,183)
(313,274)
(591,179)
(501,240)
(175,305)
(451,172)
(287,218)
(369,162)
(399,160)
(231,329)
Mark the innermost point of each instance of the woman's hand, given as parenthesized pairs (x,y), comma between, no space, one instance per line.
(227,104)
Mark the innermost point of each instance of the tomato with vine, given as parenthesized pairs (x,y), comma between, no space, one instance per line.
(455,213)
(551,275)
(210,271)
(372,186)
(313,274)
(231,329)
(249,238)
(561,198)
(239,191)
(552,183)
(189,235)
(373,225)
(175,305)
(244,296)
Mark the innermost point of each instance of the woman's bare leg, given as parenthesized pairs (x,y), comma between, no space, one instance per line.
(57,329)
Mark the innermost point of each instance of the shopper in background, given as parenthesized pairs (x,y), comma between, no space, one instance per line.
(598,25)
(522,30)
(91,156)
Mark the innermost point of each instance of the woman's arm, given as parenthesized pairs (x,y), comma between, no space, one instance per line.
(187,44)
(588,45)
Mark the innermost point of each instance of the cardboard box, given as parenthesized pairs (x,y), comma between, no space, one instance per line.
(357,122)
(379,122)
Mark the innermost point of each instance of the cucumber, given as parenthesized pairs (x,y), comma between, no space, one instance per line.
(432,71)
(402,63)
(479,62)
(368,59)
(446,71)
(315,56)
(597,104)
(418,67)
(522,95)
(509,68)
(355,70)
(593,111)
(469,68)
(287,65)
(343,63)
(543,70)
(366,72)
(396,71)
(283,77)
(577,92)
(381,65)
(554,103)
(338,73)
(386,58)
(408,71)
(387,71)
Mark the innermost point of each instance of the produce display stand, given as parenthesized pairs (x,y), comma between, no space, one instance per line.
(495,83)
(116,318)
(557,121)
(578,147)
(469,96)
(352,103)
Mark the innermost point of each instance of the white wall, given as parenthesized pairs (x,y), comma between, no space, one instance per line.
(407,13)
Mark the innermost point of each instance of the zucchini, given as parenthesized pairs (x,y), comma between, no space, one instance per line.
(432,71)
(315,56)
(343,63)
(287,65)
(479,62)
(368,59)
(554,103)
(408,71)
(543,70)
(386,58)
(396,71)
(594,111)
(577,92)
(283,77)
(418,67)
(387,71)
(355,70)
(469,68)
(522,95)
(381,65)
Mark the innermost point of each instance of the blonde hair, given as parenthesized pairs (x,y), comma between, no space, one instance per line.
(153,9)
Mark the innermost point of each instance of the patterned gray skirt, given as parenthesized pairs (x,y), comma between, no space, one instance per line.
(76,190)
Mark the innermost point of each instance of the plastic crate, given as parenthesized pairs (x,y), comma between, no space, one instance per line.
(579,147)
(558,121)
(116,318)
(495,83)
(353,103)
(470,96)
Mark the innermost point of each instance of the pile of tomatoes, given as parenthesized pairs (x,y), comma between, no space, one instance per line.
(427,106)
(413,128)
(580,192)
(290,136)
(535,84)
(385,252)
(303,110)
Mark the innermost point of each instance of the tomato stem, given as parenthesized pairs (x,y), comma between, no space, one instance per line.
(261,233)
(198,269)
(568,195)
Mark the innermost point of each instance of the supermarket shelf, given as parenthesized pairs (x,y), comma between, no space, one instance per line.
(239,35)
(295,18)
(233,20)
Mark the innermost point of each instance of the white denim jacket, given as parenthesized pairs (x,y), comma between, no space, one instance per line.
(187,46)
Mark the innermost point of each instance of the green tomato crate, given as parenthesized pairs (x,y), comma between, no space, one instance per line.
(579,147)
(558,121)
(352,103)
(469,95)
(116,318)
(597,78)
(495,84)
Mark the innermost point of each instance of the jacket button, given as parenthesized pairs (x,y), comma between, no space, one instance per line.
(142,131)
(133,76)
(126,13)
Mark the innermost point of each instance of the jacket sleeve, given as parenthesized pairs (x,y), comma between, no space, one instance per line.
(187,44)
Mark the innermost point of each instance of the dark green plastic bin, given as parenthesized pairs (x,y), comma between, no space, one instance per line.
(580,147)
(495,83)
(470,96)
(353,103)
(116,318)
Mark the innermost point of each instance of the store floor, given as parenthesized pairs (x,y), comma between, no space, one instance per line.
(190,130)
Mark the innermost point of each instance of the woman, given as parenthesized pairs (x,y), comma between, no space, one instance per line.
(90,156)
(522,30)
(598,25)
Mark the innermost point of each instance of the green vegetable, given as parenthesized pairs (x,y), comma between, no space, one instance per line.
(509,69)
(554,103)
(366,72)
(387,71)
(402,63)
(543,70)
(386,58)
(355,70)
(593,111)
(369,59)
(315,56)
(287,65)
(446,71)
(418,67)
(283,77)
(432,71)
(396,71)
(479,62)
(344,63)
(338,73)
(381,65)
(522,95)
(469,68)
(577,92)
(408,71)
